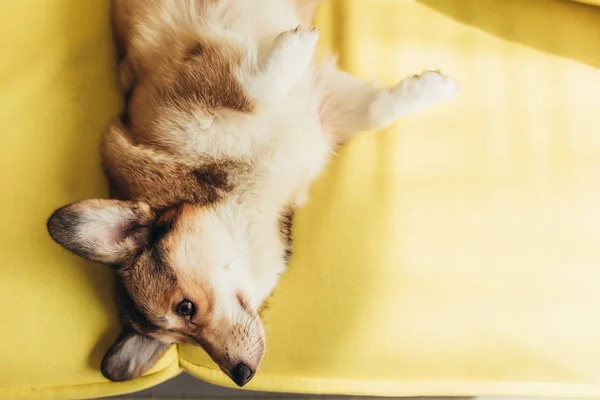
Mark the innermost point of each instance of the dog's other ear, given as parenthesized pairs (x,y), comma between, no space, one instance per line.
(307,10)
(106,231)
(131,356)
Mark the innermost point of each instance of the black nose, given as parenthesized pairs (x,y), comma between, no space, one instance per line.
(241,374)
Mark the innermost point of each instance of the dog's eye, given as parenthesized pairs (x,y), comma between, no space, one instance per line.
(185,308)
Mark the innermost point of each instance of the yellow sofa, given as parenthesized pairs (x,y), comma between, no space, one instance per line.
(456,253)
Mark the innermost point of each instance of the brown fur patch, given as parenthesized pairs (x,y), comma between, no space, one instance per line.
(198,77)
(206,76)
(161,180)
(131,315)
(285,230)
(163,225)
(213,177)
(148,284)
(194,51)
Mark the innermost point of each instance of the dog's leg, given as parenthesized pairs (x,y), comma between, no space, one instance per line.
(286,61)
(350,105)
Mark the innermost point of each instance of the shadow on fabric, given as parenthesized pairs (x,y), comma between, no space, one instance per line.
(567,29)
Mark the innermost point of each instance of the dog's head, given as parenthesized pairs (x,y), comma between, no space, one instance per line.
(183,277)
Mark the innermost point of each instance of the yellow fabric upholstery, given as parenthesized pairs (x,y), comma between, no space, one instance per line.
(454,253)
(57,94)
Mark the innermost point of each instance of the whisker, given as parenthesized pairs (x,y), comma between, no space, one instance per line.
(232,312)
(254,328)
(257,341)
(237,320)
(247,327)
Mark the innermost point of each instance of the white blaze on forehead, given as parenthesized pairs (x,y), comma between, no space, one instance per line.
(209,245)
(202,241)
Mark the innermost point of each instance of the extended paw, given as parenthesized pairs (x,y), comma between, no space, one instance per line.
(289,57)
(425,89)
(300,42)
(411,95)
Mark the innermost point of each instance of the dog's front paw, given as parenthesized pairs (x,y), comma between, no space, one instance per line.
(289,57)
(298,45)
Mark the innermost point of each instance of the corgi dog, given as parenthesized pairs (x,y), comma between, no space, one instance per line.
(229,120)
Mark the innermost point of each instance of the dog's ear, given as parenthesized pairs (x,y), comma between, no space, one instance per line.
(131,356)
(106,231)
